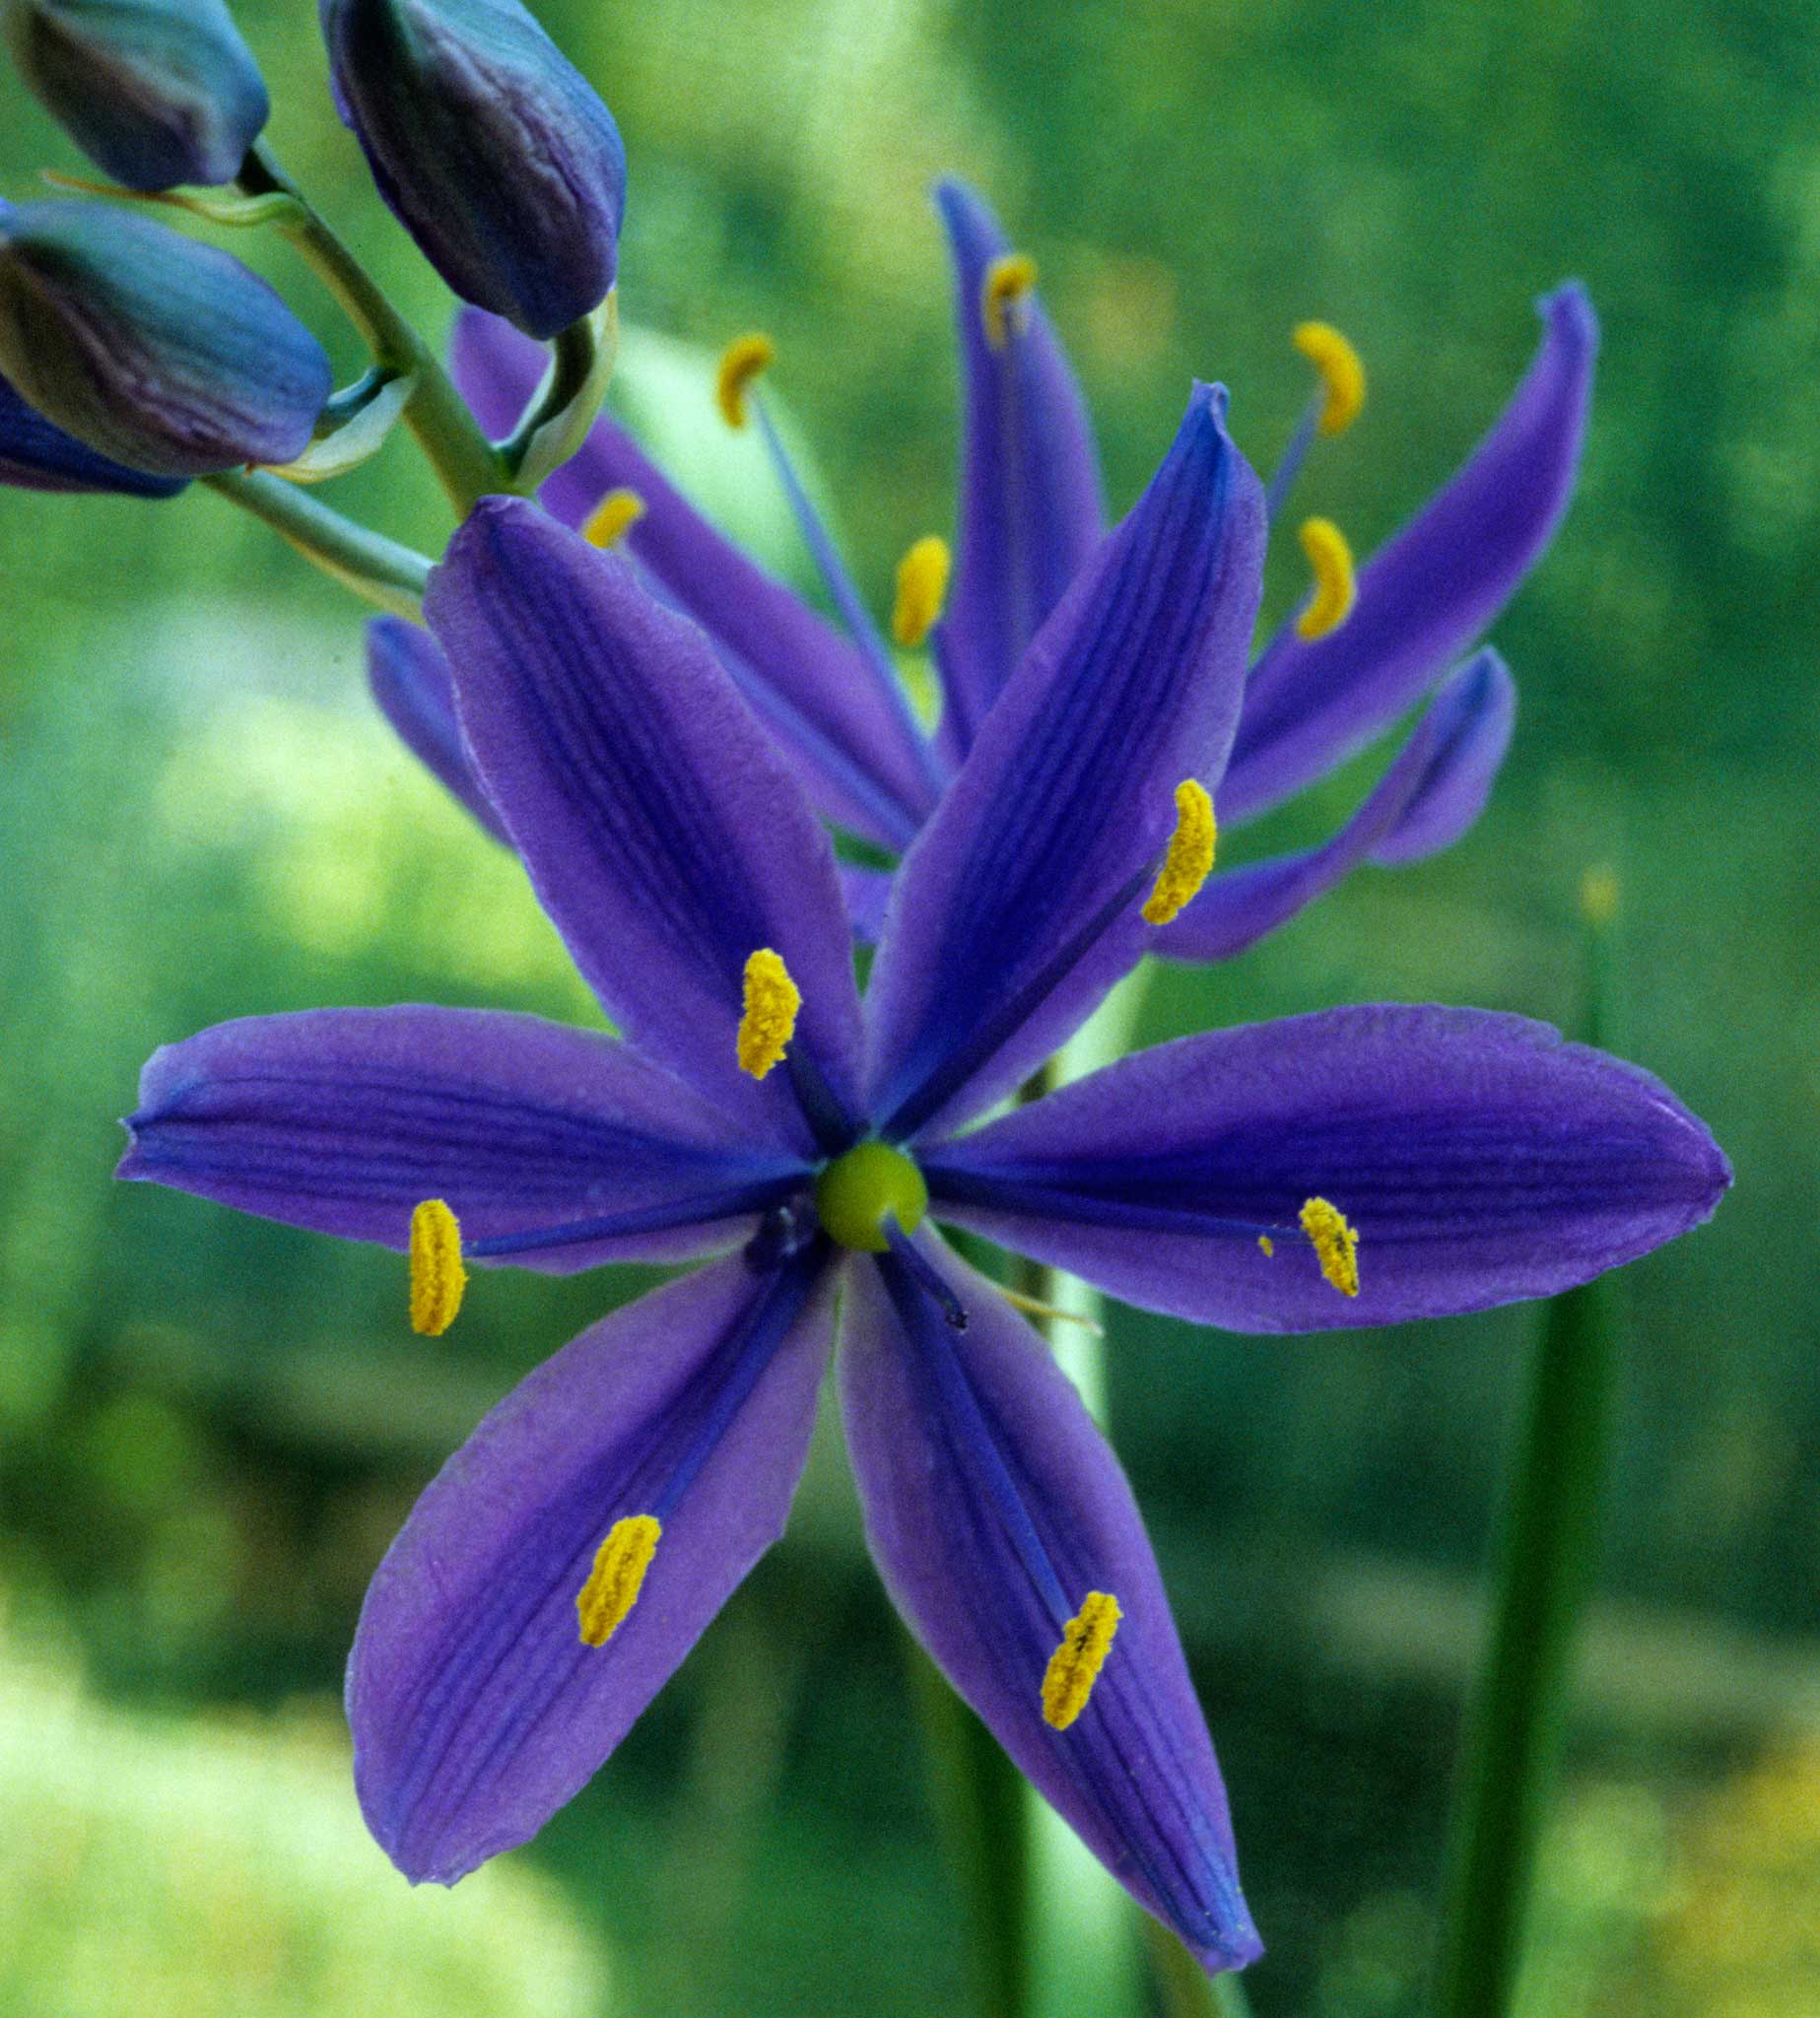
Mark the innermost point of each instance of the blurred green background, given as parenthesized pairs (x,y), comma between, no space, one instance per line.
(210,1427)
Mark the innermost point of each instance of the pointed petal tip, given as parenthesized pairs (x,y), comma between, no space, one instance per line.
(1215,397)
(1570,314)
(502,532)
(965,213)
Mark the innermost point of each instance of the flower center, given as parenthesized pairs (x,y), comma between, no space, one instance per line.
(864,1188)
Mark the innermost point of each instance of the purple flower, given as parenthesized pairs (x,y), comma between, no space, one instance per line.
(1356,1166)
(1030,518)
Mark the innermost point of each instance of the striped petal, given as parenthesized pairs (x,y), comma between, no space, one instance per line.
(994,1507)
(661,830)
(1425,596)
(1478,1157)
(345,1120)
(1428,798)
(1019,904)
(477,1706)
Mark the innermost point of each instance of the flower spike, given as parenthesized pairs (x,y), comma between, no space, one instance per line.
(1336,593)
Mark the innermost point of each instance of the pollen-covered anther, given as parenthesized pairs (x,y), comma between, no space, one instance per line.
(612,518)
(768,1021)
(1190,860)
(618,1575)
(743,361)
(923,588)
(1341,369)
(437,1277)
(1335,591)
(1266,1246)
(1335,1243)
(1075,1665)
(1008,279)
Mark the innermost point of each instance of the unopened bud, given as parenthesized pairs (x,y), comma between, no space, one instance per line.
(493,151)
(168,356)
(156,91)
(35,455)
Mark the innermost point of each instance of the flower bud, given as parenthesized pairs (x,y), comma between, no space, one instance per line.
(156,91)
(492,149)
(166,354)
(34,455)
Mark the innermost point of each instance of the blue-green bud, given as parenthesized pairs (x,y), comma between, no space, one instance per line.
(34,455)
(166,354)
(492,150)
(156,91)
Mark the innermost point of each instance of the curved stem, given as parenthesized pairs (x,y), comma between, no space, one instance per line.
(386,574)
(566,406)
(465,462)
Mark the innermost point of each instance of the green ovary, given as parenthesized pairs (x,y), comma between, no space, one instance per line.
(859,1191)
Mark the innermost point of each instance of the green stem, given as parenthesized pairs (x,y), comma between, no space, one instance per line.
(979,1809)
(465,462)
(1082,1927)
(557,423)
(371,565)
(1547,1553)
(1185,1989)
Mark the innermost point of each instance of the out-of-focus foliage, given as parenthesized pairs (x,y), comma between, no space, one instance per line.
(209,1428)
(214,1869)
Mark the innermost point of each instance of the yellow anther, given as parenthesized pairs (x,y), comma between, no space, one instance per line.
(1008,279)
(437,1277)
(1341,369)
(1330,559)
(1190,854)
(922,584)
(1336,1244)
(743,360)
(1075,1664)
(612,518)
(1266,1244)
(1599,892)
(614,1582)
(770,1019)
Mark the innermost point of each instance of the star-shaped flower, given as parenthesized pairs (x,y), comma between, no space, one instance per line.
(1350,1168)
(1030,517)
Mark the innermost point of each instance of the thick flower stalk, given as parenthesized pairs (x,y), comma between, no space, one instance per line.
(1367,645)
(1352,1168)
